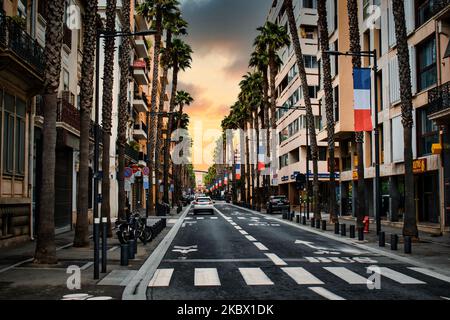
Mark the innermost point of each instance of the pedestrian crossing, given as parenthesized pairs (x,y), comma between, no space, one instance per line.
(210,277)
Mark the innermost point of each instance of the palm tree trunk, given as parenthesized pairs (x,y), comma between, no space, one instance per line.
(159,127)
(247,160)
(257,193)
(253,194)
(81,238)
(151,118)
(243,169)
(309,111)
(169,131)
(355,46)
(123,104)
(266,129)
(45,246)
(273,115)
(329,103)
(108,82)
(409,221)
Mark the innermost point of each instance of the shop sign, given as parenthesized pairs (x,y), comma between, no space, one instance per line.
(355,174)
(420,165)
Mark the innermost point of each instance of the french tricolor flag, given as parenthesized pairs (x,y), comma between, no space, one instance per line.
(238,171)
(261,158)
(362,107)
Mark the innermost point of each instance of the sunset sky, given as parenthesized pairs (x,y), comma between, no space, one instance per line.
(221,33)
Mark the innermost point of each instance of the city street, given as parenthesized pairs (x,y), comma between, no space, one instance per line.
(236,254)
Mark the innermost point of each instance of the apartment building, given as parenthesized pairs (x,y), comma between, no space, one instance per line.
(428,36)
(292,144)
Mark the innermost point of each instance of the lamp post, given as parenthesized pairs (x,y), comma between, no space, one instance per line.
(102,34)
(373,55)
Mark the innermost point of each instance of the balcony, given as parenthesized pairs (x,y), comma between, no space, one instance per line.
(140,131)
(21,57)
(439,103)
(140,102)
(141,47)
(140,73)
(131,153)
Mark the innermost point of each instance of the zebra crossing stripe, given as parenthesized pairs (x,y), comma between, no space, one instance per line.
(399,277)
(200,218)
(275,259)
(214,218)
(206,277)
(250,238)
(347,275)
(238,228)
(161,278)
(243,232)
(255,277)
(431,274)
(325,293)
(260,246)
(301,276)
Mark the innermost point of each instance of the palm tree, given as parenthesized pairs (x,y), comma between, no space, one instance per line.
(124,52)
(260,61)
(180,59)
(329,102)
(154,9)
(308,107)
(174,25)
(246,113)
(81,238)
(409,221)
(240,113)
(108,82)
(45,246)
(355,46)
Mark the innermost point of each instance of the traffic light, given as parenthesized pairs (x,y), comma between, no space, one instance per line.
(300,181)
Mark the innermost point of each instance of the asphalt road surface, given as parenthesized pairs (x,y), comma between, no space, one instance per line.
(236,254)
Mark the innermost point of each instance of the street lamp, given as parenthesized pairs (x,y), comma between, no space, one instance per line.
(371,54)
(102,34)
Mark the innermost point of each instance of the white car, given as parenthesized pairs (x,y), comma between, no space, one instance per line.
(203,204)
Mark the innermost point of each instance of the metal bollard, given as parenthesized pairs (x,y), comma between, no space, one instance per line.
(124,254)
(343,230)
(104,243)
(304,220)
(313,223)
(96,248)
(336,228)
(324,225)
(318,223)
(352,231)
(297,219)
(131,244)
(394,242)
(382,239)
(408,244)
(360,234)
(135,246)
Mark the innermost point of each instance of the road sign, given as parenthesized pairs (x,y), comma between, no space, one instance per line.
(135,168)
(128,172)
(146,171)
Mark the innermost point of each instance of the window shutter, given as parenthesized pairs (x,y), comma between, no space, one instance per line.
(412,64)
(394,81)
(391,27)
(409,15)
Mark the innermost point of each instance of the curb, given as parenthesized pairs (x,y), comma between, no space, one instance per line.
(137,287)
(353,243)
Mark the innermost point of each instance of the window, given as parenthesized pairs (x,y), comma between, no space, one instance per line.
(366,11)
(427,133)
(284,161)
(66,77)
(425,10)
(426,64)
(303,122)
(310,61)
(313,90)
(284,135)
(42,8)
(308,32)
(336,103)
(310,4)
(13,111)
(322,153)
(293,128)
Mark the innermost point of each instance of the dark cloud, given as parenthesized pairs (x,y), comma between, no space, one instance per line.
(237,68)
(224,25)
(193,89)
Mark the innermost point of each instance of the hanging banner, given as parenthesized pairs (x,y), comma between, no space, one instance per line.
(127,185)
(146,183)
(362,99)
(261,158)
(238,171)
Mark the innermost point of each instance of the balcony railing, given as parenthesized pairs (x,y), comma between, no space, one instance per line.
(439,98)
(141,126)
(13,37)
(132,153)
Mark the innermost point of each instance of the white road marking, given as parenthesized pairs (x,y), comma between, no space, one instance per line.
(185,248)
(255,277)
(113,249)
(200,218)
(324,260)
(250,238)
(214,218)
(242,218)
(243,232)
(188,218)
(172,221)
(338,260)
(431,274)
(399,277)
(233,224)
(347,275)
(238,228)
(206,277)
(260,246)
(86,266)
(445,298)
(275,259)
(161,278)
(325,293)
(301,276)
(311,259)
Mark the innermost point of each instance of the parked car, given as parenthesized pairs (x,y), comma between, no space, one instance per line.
(277,204)
(203,204)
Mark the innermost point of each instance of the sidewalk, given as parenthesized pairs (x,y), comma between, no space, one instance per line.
(21,279)
(431,250)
